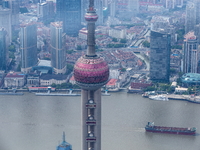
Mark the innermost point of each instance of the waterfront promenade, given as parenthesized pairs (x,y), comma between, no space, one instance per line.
(187,98)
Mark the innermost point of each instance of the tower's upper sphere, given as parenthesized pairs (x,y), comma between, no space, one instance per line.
(91,16)
(91,73)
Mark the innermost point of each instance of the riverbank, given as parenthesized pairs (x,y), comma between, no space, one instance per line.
(187,98)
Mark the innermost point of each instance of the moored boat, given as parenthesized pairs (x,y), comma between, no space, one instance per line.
(159,98)
(150,127)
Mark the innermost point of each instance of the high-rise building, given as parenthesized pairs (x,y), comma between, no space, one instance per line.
(70,13)
(197,6)
(45,10)
(160,56)
(91,72)
(64,145)
(197,32)
(3,49)
(191,53)
(112,8)
(13,5)
(57,50)
(133,7)
(5,21)
(28,46)
(190,20)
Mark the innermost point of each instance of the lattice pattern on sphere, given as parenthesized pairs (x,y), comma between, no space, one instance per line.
(91,71)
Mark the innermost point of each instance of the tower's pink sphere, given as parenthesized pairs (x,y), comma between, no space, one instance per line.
(91,73)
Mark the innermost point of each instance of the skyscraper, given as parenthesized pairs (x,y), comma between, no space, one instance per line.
(91,72)
(69,12)
(112,8)
(191,53)
(197,5)
(28,46)
(190,20)
(57,50)
(3,49)
(160,56)
(14,6)
(5,21)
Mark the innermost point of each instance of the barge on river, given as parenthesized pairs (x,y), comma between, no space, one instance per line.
(150,127)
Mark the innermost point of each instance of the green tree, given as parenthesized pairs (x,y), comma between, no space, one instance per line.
(11,48)
(12,55)
(79,47)
(146,44)
(181,33)
(172,71)
(70,68)
(47,58)
(123,70)
(114,40)
(123,41)
(23,10)
(150,88)
(69,51)
(164,87)
(176,47)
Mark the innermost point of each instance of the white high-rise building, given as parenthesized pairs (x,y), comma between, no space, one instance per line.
(190,20)
(191,53)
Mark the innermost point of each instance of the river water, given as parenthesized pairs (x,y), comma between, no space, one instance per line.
(32,122)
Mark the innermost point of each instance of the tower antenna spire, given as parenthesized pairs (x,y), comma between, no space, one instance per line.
(63,136)
(91,4)
(91,17)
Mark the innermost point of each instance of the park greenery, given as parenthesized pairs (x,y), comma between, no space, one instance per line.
(146,44)
(23,10)
(65,86)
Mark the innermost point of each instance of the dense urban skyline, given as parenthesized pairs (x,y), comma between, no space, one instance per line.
(94,47)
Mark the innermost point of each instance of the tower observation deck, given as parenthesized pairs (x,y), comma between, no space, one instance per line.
(91,72)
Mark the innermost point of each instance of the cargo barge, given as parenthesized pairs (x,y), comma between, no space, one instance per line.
(150,127)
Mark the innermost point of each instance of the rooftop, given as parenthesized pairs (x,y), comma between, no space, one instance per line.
(191,78)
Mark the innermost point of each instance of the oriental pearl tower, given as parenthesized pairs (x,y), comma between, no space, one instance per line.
(91,72)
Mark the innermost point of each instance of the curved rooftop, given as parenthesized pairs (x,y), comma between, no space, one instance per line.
(191,78)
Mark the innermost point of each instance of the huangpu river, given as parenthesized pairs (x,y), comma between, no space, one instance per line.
(32,122)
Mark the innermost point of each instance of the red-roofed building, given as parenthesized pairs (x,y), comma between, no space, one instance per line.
(72,80)
(14,80)
(112,83)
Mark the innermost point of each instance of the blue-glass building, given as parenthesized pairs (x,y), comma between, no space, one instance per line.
(69,11)
(64,145)
(191,78)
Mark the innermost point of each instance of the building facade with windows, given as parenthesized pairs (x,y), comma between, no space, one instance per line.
(28,46)
(160,56)
(3,49)
(69,11)
(57,50)
(191,53)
